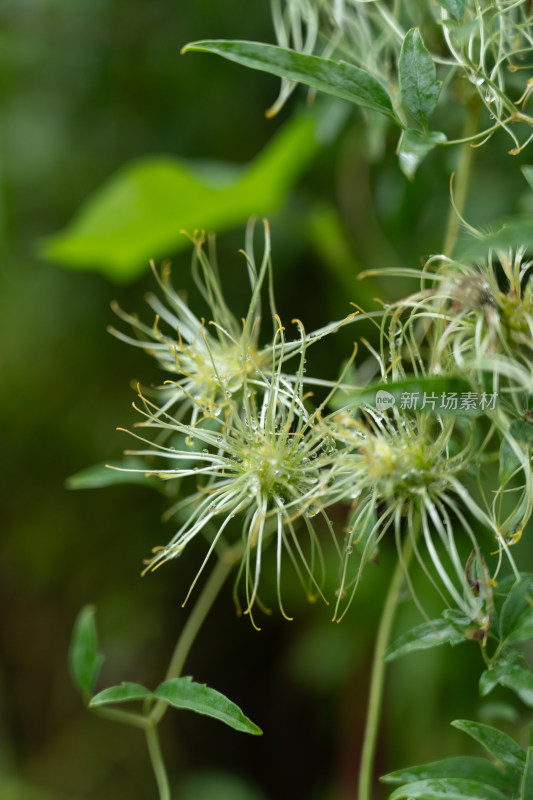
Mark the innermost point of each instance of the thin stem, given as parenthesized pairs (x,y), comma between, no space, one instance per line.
(156,757)
(464,166)
(195,621)
(475,136)
(117,715)
(377,682)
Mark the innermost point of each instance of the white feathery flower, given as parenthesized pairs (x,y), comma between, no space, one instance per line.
(265,472)
(211,362)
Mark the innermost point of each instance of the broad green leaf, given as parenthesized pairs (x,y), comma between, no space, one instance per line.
(520,680)
(448,789)
(84,659)
(120,694)
(465,767)
(437,394)
(414,147)
(141,211)
(527,171)
(514,606)
(495,742)
(185,693)
(526,790)
(454,7)
(419,88)
(103,474)
(429,634)
(523,630)
(332,77)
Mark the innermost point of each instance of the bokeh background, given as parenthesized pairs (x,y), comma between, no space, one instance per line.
(86,87)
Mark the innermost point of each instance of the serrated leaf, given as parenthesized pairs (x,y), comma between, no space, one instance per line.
(84,659)
(429,634)
(414,147)
(454,7)
(495,742)
(110,474)
(332,77)
(448,789)
(526,790)
(124,693)
(419,89)
(185,693)
(141,211)
(465,767)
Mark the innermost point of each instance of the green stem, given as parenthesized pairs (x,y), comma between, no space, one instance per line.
(195,621)
(377,682)
(117,715)
(156,757)
(464,166)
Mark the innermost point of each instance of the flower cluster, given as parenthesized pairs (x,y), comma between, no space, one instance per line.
(233,419)
(269,464)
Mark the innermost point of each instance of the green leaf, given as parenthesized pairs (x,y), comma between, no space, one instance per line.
(522,433)
(454,7)
(487,681)
(414,147)
(495,742)
(185,693)
(456,617)
(514,606)
(465,767)
(141,212)
(526,790)
(419,88)
(523,630)
(527,171)
(429,634)
(100,475)
(429,390)
(332,77)
(120,694)
(520,680)
(84,659)
(448,789)
(508,461)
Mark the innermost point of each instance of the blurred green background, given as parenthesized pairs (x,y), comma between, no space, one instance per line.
(87,86)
